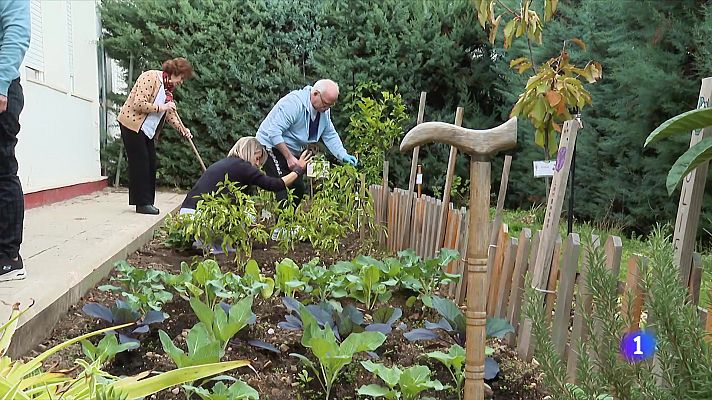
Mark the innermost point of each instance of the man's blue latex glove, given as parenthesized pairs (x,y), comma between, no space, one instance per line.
(350,159)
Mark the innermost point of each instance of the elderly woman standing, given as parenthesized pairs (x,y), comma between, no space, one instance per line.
(148,106)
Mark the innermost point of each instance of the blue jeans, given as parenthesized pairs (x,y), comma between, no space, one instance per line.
(12,204)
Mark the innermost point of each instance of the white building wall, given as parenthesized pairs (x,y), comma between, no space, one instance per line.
(58,144)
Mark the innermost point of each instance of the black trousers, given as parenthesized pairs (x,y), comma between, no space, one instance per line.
(12,203)
(276,166)
(141,155)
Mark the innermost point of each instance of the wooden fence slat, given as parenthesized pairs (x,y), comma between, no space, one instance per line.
(417,238)
(633,296)
(383,217)
(398,221)
(579,333)
(391,220)
(434,226)
(428,211)
(565,293)
(514,305)
(494,268)
(525,348)
(553,278)
(505,282)
(613,250)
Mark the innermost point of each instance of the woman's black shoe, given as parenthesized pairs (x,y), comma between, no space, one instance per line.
(149,209)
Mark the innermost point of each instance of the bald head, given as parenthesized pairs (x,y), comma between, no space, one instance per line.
(324,94)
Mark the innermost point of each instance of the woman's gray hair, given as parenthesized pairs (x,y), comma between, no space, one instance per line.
(245,148)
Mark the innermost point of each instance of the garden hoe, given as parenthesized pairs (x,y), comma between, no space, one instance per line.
(481,145)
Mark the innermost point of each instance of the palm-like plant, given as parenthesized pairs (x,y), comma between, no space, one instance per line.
(27,380)
(701,152)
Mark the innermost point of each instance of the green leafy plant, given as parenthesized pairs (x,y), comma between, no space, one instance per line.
(331,356)
(454,361)
(405,383)
(453,323)
(26,379)
(700,153)
(107,348)
(175,231)
(375,125)
(343,320)
(426,276)
(142,288)
(203,348)
(287,277)
(323,283)
(121,313)
(372,280)
(253,280)
(239,390)
(222,322)
(206,281)
(227,216)
(555,86)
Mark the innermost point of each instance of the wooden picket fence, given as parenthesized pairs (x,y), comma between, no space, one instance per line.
(510,261)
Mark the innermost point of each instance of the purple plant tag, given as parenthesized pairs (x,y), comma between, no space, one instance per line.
(560,158)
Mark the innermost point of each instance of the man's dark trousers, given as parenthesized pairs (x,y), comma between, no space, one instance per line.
(12,205)
(276,166)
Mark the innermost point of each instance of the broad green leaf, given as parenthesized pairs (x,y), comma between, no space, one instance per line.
(364,341)
(417,379)
(202,311)
(450,312)
(138,388)
(691,159)
(374,390)
(683,123)
(509,31)
(268,288)
(390,376)
(498,327)
(202,347)
(176,354)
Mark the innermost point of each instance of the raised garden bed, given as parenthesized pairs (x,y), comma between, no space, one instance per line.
(276,376)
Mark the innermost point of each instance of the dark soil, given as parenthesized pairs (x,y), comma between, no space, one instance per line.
(275,376)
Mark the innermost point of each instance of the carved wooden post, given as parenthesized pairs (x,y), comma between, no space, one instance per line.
(480,145)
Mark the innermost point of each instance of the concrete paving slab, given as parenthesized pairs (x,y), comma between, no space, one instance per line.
(68,247)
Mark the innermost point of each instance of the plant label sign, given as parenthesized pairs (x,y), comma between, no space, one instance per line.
(317,169)
(544,168)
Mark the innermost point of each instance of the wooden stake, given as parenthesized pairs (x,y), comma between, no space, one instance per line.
(384,203)
(411,182)
(550,229)
(693,190)
(500,198)
(448,183)
(420,180)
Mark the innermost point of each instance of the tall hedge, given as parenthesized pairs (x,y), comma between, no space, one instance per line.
(249,53)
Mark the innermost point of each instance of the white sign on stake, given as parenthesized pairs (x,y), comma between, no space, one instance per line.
(544,168)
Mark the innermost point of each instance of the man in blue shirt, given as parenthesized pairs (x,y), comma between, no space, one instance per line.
(14,41)
(299,119)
